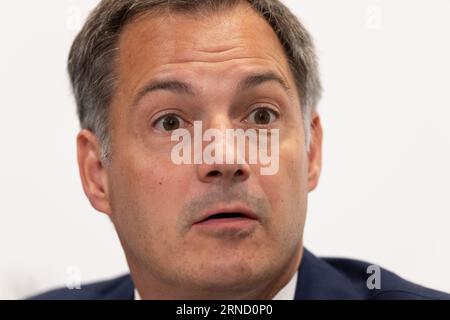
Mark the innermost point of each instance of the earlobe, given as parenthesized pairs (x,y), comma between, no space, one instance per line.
(92,171)
(315,153)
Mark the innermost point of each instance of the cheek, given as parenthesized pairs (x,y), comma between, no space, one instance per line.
(144,210)
(158,193)
(154,184)
(290,182)
(287,190)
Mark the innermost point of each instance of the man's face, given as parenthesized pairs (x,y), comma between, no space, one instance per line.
(155,203)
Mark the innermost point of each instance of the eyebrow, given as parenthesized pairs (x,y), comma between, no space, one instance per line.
(255,80)
(180,87)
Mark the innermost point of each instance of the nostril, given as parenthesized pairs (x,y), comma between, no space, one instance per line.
(239,172)
(214,173)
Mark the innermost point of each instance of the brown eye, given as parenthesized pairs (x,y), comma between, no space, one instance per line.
(262,116)
(169,122)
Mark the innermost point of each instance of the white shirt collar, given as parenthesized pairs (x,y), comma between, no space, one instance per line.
(287,293)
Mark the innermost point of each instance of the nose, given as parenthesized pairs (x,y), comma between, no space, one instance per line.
(234,167)
(223,173)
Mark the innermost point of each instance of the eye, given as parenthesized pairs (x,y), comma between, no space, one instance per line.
(262,116)
(169,122)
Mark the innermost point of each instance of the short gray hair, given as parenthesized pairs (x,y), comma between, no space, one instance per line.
(93,53)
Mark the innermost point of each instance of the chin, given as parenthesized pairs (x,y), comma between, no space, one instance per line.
(231,273)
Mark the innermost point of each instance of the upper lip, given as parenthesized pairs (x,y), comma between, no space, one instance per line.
(244,210)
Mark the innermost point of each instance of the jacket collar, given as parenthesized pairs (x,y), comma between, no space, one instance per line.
(318,280)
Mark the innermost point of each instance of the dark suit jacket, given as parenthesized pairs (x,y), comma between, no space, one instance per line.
(318,278)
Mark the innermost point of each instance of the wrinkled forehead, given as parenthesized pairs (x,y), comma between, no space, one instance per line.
(159,39)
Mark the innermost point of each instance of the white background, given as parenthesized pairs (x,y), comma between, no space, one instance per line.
(385,186)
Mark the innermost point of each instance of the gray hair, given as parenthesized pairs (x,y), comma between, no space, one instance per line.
(93,53)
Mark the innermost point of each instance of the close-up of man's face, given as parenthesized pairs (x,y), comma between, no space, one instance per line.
(203,227)
(172,150)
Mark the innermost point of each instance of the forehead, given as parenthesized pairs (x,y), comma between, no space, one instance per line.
(161,41)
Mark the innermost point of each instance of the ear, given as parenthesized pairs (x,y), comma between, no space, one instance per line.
(315,153)
(92,171)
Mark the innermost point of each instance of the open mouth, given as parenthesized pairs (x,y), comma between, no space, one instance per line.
(228,222)
(226,215)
